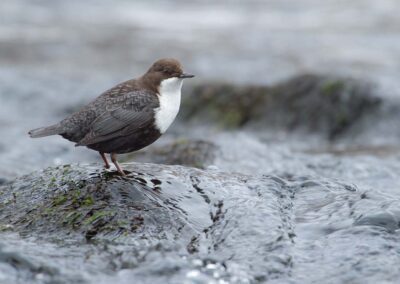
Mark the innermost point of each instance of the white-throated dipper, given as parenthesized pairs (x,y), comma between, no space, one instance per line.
(128,117)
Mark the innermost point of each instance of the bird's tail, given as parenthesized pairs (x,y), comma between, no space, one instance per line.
(45,131)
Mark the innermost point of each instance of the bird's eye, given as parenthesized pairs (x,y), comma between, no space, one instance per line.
(167,71)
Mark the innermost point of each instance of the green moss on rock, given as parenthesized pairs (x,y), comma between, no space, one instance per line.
(324,104)
(97,204)
(331,87)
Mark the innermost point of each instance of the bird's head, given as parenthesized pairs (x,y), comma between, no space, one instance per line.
(167,73)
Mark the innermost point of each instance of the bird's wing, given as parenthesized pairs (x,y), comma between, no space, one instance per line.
(125,114)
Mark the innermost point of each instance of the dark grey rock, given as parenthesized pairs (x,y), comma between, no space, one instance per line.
(186,152)
(3,181)
(322,104)
(381,219)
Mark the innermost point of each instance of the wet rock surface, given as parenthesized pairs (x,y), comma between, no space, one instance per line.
(169,224)
(179,214)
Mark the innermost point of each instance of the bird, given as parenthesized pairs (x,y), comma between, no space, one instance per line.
(127,117)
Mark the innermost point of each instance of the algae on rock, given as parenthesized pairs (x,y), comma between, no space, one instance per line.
(322,104)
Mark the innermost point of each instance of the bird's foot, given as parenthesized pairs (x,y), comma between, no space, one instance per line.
(106,164)
(115,162)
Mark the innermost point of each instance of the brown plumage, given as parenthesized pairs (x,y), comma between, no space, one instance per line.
(122,119)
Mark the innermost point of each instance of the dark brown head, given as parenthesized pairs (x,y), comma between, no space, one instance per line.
(164,69)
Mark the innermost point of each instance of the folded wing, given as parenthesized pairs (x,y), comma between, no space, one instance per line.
(125,115)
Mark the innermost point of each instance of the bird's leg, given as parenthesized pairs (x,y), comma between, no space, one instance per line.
(115,162)
(106,164)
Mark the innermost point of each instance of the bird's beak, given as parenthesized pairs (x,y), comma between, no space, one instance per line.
(185,75)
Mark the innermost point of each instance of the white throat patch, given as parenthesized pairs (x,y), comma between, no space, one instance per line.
(170,101)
